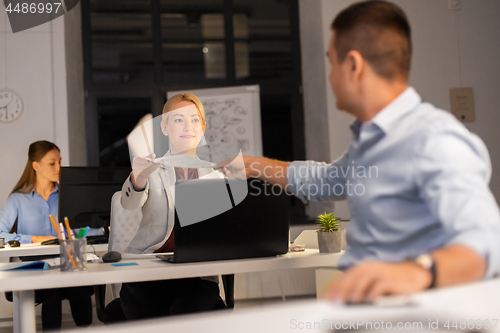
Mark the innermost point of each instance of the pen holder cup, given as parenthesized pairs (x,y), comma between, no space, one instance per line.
(73,254)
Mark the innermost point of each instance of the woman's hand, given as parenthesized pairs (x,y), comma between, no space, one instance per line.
(39,239)
(142,168)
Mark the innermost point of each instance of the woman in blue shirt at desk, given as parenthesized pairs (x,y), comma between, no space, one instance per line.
(25,218)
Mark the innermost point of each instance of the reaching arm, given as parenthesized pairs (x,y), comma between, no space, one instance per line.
(272,171)
(308,180)
(142,168)
(135,188)
(132,199)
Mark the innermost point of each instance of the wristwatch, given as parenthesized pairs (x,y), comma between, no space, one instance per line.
(427,262)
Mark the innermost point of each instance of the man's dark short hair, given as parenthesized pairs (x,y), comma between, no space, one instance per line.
(380,32)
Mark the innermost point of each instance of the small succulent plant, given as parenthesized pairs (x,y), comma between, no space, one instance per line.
(327,222)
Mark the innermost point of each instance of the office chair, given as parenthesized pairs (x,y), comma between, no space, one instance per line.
(124,225)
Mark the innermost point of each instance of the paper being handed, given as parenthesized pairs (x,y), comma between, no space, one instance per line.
(183,161)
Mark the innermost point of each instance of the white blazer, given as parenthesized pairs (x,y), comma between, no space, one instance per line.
(157,205)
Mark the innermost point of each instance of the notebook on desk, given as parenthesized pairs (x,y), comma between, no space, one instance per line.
(256,225)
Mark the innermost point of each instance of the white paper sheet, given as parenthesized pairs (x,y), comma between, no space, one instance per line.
(183,161)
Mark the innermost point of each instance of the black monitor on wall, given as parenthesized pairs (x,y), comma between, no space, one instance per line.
(85,194)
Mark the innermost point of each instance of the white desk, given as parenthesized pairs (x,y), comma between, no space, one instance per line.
(35,250)
(41,250)
(477,301)
(23,283)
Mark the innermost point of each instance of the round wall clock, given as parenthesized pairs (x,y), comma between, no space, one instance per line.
(11,106)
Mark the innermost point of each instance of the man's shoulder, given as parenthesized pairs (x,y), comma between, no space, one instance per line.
(428,120)
(428,126)
(434,118)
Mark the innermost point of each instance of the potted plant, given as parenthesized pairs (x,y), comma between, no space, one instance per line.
(329,234)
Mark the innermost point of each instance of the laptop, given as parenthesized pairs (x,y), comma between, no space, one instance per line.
(255,225)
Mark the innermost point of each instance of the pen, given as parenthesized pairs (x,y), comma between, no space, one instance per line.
(54,225)
(71,236)
(80,233)
(70,232)
(63,238)
(61,227)
(86,232)
(61,230)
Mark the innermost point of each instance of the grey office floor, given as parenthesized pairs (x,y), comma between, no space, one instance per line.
(68,323)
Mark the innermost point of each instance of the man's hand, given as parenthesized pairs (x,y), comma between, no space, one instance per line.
(369,280)
(234,167)
(272,171)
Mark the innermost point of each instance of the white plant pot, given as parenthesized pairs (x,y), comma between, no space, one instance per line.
(330,242)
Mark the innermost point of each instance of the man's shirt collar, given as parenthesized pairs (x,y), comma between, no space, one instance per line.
(388,117)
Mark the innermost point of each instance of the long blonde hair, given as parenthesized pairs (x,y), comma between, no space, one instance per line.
(183,97)
(36,152)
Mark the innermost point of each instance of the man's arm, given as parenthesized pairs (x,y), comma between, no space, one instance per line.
(308,180)
(457,264)
(272,171)
(365,282)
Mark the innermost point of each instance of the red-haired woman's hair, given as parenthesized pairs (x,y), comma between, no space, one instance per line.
(183,97)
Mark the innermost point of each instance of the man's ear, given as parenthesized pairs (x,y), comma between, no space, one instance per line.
(356,65)
(163,128)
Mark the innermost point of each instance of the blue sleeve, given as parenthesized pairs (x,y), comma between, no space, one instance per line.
(8,216)
(311,180)
(454,171)
(24,239)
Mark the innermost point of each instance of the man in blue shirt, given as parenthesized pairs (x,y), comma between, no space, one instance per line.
(416,180)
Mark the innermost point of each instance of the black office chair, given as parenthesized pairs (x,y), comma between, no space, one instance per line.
(112,312)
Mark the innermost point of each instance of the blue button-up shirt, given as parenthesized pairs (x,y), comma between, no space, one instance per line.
(32,214)
(415,179)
